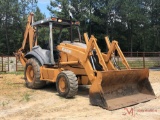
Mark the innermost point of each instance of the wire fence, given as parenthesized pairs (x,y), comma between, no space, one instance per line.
(141,59)
(135,60)
(141,54)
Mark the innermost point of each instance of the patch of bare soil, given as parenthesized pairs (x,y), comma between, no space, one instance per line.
(18,102)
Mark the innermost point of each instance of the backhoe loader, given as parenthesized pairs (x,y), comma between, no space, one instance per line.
(70,62)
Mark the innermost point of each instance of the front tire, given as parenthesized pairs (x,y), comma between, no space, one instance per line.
(67,84)
(32,74)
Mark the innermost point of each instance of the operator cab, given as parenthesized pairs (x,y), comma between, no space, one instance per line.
(67,30)
(60,30)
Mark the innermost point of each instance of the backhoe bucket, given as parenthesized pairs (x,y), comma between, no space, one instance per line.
(116,89)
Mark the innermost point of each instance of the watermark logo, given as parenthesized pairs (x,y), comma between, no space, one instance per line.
(132,111)
(129,111)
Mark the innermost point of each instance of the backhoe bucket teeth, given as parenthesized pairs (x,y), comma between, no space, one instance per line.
(117,89)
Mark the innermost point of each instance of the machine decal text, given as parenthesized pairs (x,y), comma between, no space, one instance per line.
(66,50)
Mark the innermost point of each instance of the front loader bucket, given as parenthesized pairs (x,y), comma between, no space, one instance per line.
(116,89)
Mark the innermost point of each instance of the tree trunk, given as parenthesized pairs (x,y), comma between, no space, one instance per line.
(130,29)
(6,33)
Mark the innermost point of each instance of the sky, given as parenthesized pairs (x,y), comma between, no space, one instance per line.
(42,4)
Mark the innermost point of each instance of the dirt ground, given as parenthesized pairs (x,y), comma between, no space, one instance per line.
(20,103)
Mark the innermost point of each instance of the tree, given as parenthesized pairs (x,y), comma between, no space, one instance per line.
(134,23)
(155,23)
(43,33)
(8,18)
(12,24)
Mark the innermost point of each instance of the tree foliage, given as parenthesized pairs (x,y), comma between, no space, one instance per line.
(13,18)
(134,23)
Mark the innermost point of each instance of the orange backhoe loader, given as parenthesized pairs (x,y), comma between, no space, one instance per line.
(70,62)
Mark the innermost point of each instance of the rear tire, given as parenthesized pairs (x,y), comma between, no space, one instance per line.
(67,84)
(32,74)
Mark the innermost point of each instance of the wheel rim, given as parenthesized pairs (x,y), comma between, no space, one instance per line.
(30,73)
(62,84)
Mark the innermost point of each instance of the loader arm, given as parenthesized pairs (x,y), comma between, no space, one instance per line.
(28,38)
(112,47)
(108,63)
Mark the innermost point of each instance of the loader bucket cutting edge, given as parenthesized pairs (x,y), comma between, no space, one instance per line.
(117,89)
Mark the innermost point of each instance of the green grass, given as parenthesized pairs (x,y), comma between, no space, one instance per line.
(25,97)
(139,64)
(4,103)
(16,73)
(13,85)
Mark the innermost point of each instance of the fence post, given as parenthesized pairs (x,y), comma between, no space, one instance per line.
(159,56)
(16,64)
(2,63)
(8,63)
(143,60)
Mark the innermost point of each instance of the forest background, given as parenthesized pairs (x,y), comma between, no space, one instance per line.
(135,24)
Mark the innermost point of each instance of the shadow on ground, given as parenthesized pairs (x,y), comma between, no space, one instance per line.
(83,90)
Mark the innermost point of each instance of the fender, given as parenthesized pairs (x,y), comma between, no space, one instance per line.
(42,55)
